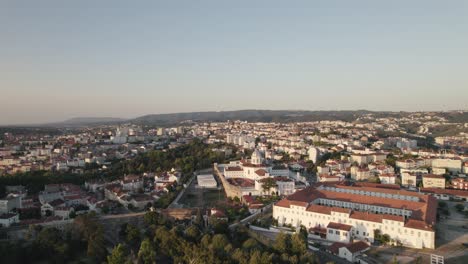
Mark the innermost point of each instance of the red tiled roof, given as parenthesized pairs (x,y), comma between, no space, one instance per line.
(319,209)
(234,168)
(461,193)
(357,246)
(417,224)
(242,182)
(433,176)
(335,247)
(423,210)
(339,226)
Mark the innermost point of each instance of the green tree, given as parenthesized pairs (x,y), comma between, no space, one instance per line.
(267,184)
(385,238)
(282,243)
(192,233)
(298,244)
(118,255)
(147,254)
(132,236)
(96,248)
(256,257)
(199,219)
(251,244)
(152,218)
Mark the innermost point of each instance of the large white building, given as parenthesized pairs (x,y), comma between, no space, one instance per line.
(407,217)
(254,173)
(206,181)
(452,165)
(254,169)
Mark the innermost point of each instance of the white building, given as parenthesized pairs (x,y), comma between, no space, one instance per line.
(132,183)
(314,154)
(8,219)
(452,165)
(350,251)
(407,217)
(254,169)
(206,181)
(405,143)
(387,178)
(10,203)
(409,179)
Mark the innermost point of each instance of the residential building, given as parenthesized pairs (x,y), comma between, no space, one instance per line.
(433,181)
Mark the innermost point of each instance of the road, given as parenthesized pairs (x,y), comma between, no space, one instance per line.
(175,203)
(106,217)
(249,219)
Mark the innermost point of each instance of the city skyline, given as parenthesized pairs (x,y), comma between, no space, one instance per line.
(63,60)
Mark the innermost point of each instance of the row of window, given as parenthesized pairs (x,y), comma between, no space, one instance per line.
(376,194)
(356,206)
(337,232)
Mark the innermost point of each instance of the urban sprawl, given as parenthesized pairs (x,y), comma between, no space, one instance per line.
(375,183)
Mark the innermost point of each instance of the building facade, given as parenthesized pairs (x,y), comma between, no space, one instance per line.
(406,217)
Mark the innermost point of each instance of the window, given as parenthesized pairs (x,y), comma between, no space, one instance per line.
(330,231)
(337,232)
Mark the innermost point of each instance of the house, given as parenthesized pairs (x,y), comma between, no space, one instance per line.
(218,214)
(409,179)
(95,185)
(48,209)
(141,201)
(349,251)
(339,232)
(360,173)
(172,176)
(406,164)
(252,203)
(387,178)
(460,183)
(10,203)
(63,211)
(433,181)
(325,177)
(132,183)
(6,220)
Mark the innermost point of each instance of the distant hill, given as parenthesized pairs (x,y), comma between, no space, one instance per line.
(85,121)
(251,116)
(248,115)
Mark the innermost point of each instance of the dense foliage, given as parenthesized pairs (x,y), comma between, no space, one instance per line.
(161,241)
(84,240)
(189,157)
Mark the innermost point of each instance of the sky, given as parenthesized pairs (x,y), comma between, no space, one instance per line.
(64,59)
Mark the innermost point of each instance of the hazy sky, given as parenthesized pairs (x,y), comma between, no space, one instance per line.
(62,59)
